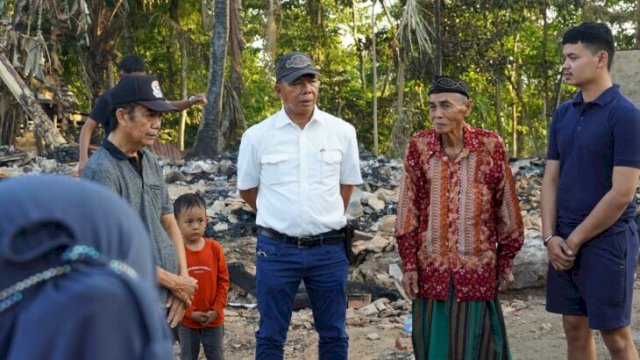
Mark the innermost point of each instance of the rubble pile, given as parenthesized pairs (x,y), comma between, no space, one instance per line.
(371,210)
(14,162)
(376,297)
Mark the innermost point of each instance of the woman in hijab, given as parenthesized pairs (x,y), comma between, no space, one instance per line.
(77,275)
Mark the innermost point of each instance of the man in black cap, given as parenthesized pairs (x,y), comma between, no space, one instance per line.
(130,65)
(297,169)
(458,229)
(123,164)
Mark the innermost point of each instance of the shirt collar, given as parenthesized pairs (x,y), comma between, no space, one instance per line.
(116,152)
(283,119)
(605,98)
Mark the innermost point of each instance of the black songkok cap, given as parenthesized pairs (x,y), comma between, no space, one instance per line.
(447,84)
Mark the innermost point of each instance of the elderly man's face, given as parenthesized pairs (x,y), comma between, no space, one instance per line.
(300,96)
(140,126)
(447,111)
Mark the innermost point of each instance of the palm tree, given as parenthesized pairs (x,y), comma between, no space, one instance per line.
(415,24)
(209,137)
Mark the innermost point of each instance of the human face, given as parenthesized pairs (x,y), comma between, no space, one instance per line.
(447,112)
(141,125)
(580,66)
(192,223)
(300,96)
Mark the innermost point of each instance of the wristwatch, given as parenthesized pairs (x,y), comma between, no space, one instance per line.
(546,240)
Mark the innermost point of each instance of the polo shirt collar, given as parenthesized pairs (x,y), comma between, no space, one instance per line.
(116,152)
(605,98)
(283,119)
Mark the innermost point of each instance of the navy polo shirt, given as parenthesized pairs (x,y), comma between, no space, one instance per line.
(101,111)
(589,140)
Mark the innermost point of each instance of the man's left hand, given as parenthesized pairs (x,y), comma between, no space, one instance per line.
(505,280)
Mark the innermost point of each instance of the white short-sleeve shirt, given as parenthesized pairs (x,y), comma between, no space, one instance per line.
(298,172)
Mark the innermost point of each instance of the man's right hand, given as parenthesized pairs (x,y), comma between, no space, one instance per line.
(560,255)
(410,284)
(183,288)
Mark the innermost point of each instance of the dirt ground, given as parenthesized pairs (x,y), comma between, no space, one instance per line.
(534,334)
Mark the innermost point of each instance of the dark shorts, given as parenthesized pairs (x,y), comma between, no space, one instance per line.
(600,284)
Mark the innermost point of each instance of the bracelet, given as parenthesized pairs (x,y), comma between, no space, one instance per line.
(546,240)
(191,100)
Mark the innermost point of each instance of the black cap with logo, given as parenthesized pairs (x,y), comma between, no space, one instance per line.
(294,64)
(140,89)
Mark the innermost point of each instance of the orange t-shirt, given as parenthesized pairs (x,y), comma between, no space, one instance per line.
(209,267)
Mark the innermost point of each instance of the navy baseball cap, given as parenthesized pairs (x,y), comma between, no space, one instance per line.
(294,64)
(140,89)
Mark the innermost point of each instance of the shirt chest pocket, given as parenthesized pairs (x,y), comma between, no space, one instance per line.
(153,194)
(276,169)
(329,164)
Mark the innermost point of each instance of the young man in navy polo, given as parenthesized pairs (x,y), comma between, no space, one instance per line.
(588,200)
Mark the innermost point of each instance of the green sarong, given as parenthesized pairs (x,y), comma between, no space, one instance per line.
(459,330)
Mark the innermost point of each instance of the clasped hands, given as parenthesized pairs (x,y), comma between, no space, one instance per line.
(204,317)
(562,253)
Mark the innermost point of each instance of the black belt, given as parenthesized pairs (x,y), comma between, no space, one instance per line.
(329,238)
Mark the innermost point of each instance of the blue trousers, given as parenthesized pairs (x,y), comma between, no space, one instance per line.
(279,269)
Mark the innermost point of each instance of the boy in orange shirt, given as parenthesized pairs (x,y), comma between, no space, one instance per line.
(202,322)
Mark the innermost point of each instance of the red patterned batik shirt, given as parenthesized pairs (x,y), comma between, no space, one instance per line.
(458,220)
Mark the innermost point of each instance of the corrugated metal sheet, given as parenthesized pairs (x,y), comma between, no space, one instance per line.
(167,151)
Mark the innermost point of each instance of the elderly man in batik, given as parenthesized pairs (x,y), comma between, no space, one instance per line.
(458,229)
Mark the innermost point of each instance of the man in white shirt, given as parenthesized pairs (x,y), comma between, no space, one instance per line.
(297,170)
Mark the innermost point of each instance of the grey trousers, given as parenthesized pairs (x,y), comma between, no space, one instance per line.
(211,339)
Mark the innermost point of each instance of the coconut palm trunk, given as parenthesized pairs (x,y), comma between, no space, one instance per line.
(208,137)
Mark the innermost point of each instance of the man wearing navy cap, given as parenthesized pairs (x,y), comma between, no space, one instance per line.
(297,169)
(123,164)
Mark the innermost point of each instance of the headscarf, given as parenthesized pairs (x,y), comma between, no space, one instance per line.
(102,302)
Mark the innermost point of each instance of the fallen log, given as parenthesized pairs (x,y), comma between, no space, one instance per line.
(243,279)
(43,126)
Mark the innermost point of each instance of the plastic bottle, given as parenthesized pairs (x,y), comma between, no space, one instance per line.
(408,324)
